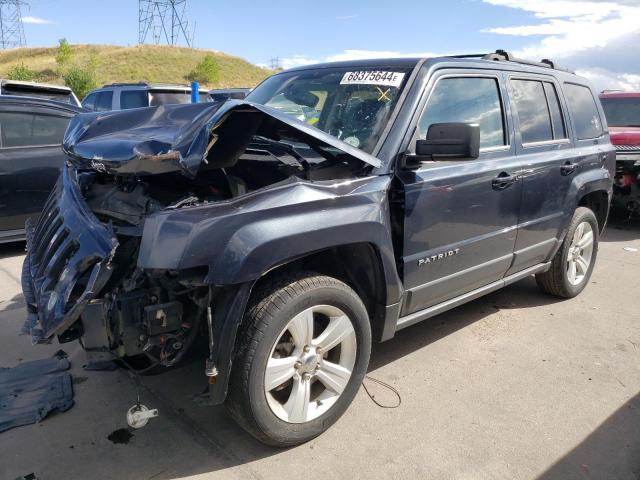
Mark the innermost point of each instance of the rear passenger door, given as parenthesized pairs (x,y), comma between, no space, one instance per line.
(460,216)
(546,152)
(30,160)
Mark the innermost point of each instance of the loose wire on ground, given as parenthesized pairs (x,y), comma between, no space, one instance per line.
(383,384)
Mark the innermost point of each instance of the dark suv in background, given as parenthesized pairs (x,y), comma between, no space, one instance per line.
(336,205)
(622,110)
(31,132)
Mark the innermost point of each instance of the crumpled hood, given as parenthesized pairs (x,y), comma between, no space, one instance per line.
(169,138)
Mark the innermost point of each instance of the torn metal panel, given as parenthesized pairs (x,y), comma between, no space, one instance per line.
(171,138)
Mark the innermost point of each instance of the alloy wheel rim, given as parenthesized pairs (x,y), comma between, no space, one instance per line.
(310,364)
(580,253)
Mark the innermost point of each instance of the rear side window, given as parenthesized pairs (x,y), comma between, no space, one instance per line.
(90,101)
(538,111)
(557,121)
(133,99)
(584,111)
(29,130)
(104,101)
(466,100)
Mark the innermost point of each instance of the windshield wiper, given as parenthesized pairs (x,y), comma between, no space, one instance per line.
(284,152)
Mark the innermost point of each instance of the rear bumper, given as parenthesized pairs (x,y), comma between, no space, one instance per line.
(67,262)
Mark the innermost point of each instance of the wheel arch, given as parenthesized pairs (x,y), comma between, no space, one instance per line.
(598,202)
(359,265)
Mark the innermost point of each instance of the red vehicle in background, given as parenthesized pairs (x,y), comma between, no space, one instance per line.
(622,110)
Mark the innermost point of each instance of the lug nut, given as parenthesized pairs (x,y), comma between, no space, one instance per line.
(306,348)
(298,365)
(306,376)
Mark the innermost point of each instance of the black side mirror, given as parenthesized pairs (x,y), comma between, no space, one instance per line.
(450,141)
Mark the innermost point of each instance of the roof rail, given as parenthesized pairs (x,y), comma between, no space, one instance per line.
(504,56)
(126,84)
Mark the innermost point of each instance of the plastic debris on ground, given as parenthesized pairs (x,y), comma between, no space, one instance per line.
(31,390)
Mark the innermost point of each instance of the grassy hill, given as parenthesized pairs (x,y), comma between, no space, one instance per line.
(152,63)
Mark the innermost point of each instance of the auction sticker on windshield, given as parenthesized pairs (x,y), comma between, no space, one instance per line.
(373,77)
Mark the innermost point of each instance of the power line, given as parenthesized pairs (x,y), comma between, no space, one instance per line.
(164,21)
(11,27)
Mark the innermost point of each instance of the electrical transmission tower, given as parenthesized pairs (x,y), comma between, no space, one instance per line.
(11,28)
(163,20)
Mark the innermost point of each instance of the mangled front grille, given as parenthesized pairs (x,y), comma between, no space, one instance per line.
(67,262)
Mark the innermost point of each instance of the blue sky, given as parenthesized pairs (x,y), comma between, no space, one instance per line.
(600,39)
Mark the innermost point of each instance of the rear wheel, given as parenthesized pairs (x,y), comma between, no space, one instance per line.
(302,354)
(573,263)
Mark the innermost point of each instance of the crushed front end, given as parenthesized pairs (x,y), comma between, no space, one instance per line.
(626,187)
(81,281)
(143,248)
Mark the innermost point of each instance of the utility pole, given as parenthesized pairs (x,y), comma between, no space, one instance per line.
(11,27)
(164,21)
(275,63)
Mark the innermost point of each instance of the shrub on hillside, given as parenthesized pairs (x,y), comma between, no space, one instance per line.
(22,72)
(64,54)
(80,80)
(207,71)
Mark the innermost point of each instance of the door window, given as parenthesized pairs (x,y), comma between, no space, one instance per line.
(538,111)
(28,129)
(90,101)
(466,100)
(133,99)
(584,111)
(104,101)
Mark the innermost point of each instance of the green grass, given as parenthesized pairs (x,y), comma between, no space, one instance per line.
(150,63)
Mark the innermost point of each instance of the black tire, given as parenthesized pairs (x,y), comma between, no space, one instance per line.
(555,281)
(274,305)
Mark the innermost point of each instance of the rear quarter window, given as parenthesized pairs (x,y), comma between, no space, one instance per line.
(584,111)
(133,99)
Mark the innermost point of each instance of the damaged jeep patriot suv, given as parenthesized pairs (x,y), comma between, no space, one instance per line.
(336,205)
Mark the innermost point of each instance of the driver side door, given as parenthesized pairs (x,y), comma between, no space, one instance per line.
(461,216)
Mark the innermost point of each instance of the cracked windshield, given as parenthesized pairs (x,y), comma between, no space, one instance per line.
(352,105)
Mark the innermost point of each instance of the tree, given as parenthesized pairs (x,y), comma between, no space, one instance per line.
(80,80)
(64,55)
(207,71)
(22,72)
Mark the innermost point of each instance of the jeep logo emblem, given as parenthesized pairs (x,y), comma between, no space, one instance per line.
(98,166)
(439,256)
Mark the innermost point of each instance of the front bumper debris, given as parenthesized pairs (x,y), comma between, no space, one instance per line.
(67,262)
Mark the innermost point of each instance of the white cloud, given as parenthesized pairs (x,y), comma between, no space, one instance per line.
(597,38)
(569,27)
(347,17)
(603,79)
(35,20)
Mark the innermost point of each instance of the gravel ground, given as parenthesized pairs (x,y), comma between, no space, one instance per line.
(515,385)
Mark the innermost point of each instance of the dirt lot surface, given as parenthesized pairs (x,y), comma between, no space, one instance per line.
(515,385)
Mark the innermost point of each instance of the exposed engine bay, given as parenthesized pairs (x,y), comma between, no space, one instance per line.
(153,316)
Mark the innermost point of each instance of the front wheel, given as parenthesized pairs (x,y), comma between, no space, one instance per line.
(303,351)
(572,266)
